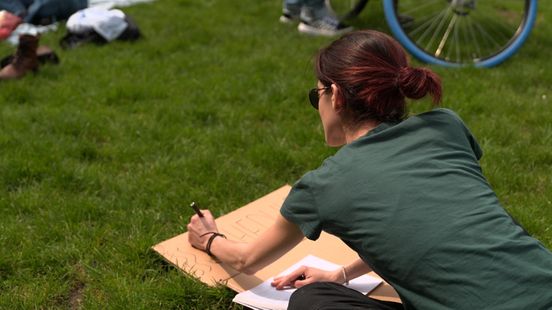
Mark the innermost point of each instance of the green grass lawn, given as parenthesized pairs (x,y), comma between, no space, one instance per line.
(101,155)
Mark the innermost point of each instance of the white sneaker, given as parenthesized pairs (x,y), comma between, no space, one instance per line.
(287,18)
(326,26)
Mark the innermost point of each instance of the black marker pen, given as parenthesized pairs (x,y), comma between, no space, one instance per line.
(196,209)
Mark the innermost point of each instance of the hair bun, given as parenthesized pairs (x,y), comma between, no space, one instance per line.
(416,83)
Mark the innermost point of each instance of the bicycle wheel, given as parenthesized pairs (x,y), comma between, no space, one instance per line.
(346,9)
(451,33)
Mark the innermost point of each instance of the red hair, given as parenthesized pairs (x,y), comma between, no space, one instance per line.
(373,77)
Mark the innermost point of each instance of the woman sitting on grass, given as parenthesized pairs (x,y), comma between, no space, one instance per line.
(406,193)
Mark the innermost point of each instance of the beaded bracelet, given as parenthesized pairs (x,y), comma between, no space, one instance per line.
(346,281)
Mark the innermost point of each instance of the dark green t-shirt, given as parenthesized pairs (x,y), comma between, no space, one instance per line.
(411,200)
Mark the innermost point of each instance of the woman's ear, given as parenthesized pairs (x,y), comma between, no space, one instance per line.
(337,98)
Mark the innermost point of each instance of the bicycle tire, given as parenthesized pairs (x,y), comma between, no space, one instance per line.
(346,9)
(517,19)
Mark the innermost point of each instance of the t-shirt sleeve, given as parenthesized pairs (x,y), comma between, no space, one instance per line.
(475,146)
(300,208)
(477,151)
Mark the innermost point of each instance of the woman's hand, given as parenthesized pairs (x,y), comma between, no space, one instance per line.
(198,227)
(306,275)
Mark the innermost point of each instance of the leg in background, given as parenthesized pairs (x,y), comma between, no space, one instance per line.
(325,295)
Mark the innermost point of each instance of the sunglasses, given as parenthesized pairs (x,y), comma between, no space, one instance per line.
(314,95)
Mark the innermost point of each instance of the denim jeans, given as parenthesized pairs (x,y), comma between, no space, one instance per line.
(314,8)
(34,11)
(16,7)
(53,9)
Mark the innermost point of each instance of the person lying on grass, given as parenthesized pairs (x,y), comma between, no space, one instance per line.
(406,193)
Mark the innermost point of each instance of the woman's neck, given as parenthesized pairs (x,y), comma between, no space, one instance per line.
(353,133)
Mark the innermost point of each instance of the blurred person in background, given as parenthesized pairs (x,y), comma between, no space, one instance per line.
(314,18)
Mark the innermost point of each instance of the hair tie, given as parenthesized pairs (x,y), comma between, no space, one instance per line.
(402,75)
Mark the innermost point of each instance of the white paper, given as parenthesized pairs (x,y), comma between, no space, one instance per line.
(264,296)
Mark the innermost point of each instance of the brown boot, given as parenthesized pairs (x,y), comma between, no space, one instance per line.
(44,54)
(25,59)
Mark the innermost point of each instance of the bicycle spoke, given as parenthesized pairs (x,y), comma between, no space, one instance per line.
(499,36)
(438,31)
(476,48)
(474,39)
(457,41)
(498,29)
(431,24)
(445,37)
(450,47)
(486,35)
(429,21)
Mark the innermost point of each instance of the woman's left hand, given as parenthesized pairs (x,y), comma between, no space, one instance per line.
(306,275)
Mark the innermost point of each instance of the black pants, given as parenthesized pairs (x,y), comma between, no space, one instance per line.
(326,296)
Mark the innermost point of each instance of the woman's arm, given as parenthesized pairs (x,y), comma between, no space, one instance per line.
(356,269)
(278,239)
(306,275)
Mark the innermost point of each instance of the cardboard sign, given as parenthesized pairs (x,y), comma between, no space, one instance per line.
(245,224)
